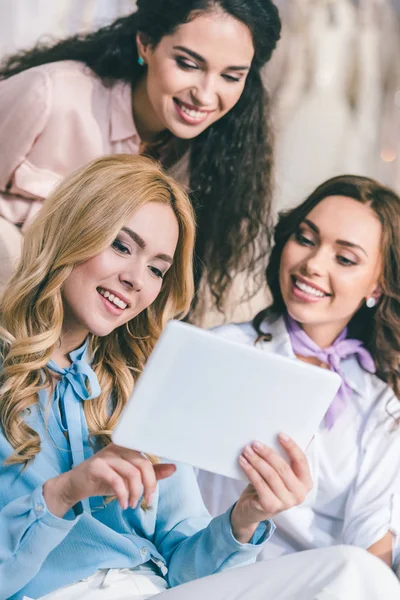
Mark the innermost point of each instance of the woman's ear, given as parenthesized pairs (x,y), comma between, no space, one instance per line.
(143,46)
(376,294)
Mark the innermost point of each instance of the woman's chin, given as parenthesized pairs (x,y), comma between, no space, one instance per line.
(307,314)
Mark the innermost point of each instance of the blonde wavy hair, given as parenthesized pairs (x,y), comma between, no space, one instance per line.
(79,220)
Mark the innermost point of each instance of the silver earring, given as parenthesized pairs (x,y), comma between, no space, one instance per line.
(371,302)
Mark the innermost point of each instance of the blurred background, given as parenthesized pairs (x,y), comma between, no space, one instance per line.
(334,81)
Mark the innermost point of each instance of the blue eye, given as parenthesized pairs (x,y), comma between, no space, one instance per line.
(120,247)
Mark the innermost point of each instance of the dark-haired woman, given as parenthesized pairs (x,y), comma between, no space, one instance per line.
(334,280)
(178,79)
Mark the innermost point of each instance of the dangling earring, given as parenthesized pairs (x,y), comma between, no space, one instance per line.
(140,61)
(371,302)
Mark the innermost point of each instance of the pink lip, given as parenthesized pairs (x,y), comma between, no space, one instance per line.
(311,284)
(303,296)
(118,294)
(187,118)
(111,307)
(193,107)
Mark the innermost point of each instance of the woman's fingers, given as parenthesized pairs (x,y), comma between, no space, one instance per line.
(135,470)
(266,497)
(149,473)
(262,471)
(288,482)
(131,476)
(147,476)
(298,460)
(115,470)
(117,484)
(162,470)
(295,484)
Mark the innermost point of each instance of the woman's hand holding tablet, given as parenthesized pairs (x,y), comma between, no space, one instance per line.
(275,485)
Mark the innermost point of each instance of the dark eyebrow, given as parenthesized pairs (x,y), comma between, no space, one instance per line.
(203,60)
(340,242)
(351,245)
(311,225)
(142,244)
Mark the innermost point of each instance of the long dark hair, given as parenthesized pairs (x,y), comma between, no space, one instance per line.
(378,328)
(230,162)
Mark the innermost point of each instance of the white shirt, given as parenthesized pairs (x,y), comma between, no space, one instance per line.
(355,465)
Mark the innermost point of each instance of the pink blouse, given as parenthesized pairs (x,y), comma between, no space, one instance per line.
(53,119)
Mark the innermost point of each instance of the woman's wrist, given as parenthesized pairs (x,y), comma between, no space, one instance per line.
(58,495)
(242,531)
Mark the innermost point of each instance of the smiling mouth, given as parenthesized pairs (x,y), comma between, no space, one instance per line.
(192,113)
(308,289)
(113,298)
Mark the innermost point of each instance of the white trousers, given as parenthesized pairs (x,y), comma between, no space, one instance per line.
(337,573)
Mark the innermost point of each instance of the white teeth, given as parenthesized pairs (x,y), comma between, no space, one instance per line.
(114,299)
(308,289)
(195,114)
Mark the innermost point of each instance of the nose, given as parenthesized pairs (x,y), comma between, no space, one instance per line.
(316,263)
(204,93)
(133,278)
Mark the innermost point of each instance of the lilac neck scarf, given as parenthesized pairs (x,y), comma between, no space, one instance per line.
(341,348)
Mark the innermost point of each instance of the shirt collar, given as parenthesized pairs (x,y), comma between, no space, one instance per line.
(280,337)
(356,377)
(80,353)
(121,118)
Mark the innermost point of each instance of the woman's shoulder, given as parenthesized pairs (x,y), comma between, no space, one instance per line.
(61,68)
(378,402)
(385,401)
(237,332)
(52,83)
(64,79)
(246,332)
(54,70)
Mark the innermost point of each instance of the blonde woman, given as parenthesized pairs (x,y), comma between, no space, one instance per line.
(105,264)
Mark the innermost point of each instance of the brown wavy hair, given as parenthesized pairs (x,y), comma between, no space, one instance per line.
(79,220)
(230,163)
(378,328)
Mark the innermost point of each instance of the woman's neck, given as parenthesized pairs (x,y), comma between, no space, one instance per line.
(147,124)
(69,341)
(323,334)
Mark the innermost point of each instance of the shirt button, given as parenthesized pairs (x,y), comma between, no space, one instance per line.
(143,551)
(39,507)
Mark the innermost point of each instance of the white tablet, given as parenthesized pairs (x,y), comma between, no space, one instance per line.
(201,399)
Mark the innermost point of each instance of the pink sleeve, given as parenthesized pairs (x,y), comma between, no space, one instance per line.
(24,110)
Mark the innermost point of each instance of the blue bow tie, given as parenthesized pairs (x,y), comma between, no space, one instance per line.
(81,377)
(78,383)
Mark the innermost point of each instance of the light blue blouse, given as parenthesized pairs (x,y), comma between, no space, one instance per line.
(40,552)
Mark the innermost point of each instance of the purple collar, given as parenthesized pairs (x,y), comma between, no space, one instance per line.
(341,348)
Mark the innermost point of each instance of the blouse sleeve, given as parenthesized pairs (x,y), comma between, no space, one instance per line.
(24,111)
(28,531)
(373,505)
(192,544)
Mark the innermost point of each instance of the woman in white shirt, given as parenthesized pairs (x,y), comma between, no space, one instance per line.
(333,275)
